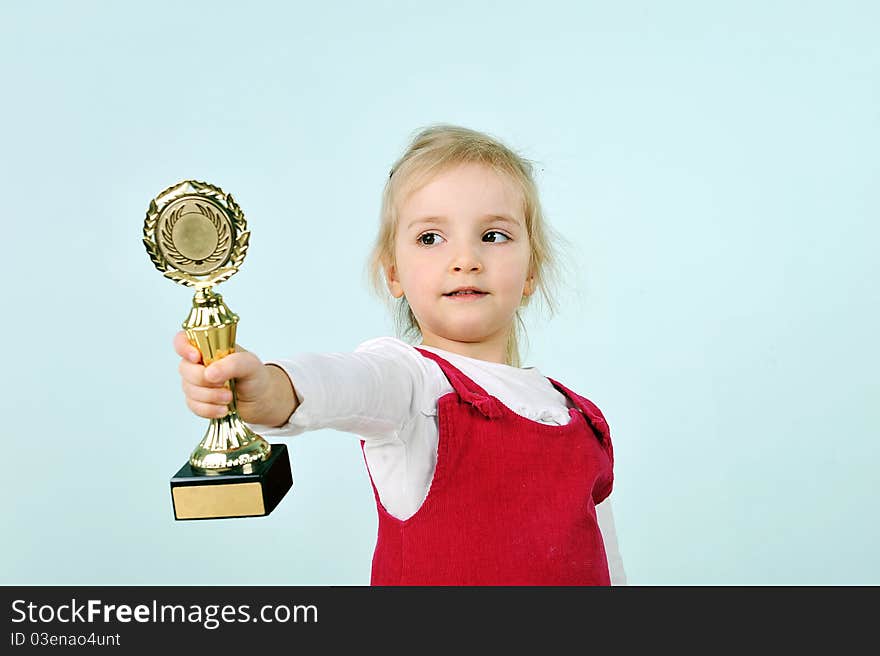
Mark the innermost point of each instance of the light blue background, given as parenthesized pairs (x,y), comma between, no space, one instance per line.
(715,166)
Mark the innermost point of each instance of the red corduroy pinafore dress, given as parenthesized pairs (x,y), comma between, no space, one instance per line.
(512,501)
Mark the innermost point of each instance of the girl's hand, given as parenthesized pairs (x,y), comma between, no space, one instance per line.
(204,387)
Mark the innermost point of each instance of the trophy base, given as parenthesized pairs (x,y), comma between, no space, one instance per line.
(198,495)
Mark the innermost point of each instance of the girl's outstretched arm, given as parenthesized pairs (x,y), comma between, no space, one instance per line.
(371,392)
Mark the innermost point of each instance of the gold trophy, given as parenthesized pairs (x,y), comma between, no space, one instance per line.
(197,236)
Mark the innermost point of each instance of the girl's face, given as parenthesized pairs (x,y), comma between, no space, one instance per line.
(465,228)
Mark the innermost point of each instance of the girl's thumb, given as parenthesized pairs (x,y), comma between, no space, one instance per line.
(234,365)
(214,373)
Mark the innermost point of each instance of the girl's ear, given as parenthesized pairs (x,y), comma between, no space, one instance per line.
(529,287)
(393,281)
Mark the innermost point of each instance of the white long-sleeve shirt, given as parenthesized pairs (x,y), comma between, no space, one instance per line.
(386,393)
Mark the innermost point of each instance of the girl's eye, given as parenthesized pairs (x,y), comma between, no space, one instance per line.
(495,232)
(433,235)
(430,238)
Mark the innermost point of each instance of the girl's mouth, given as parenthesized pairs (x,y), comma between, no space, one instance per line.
(465,295)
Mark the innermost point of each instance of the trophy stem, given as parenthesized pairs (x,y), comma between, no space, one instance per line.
(228,443)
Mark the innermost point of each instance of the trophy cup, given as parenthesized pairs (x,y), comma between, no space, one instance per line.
(197,236)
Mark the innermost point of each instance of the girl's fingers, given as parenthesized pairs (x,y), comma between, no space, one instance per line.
(212,395)
(212,380)
(184,349)
(207,398)
(207,410)
(194,374)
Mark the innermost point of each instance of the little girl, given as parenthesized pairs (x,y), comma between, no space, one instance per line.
(483,472)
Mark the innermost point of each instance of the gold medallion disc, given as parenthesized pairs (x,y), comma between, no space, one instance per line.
(195,234)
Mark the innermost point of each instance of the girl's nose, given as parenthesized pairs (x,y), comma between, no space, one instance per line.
(466,261)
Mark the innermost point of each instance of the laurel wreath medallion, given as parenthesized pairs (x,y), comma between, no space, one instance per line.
(233,212)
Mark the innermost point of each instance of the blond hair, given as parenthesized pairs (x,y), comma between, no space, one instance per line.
(434,150)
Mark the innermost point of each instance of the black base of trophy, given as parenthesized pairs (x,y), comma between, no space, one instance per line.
(197,495)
